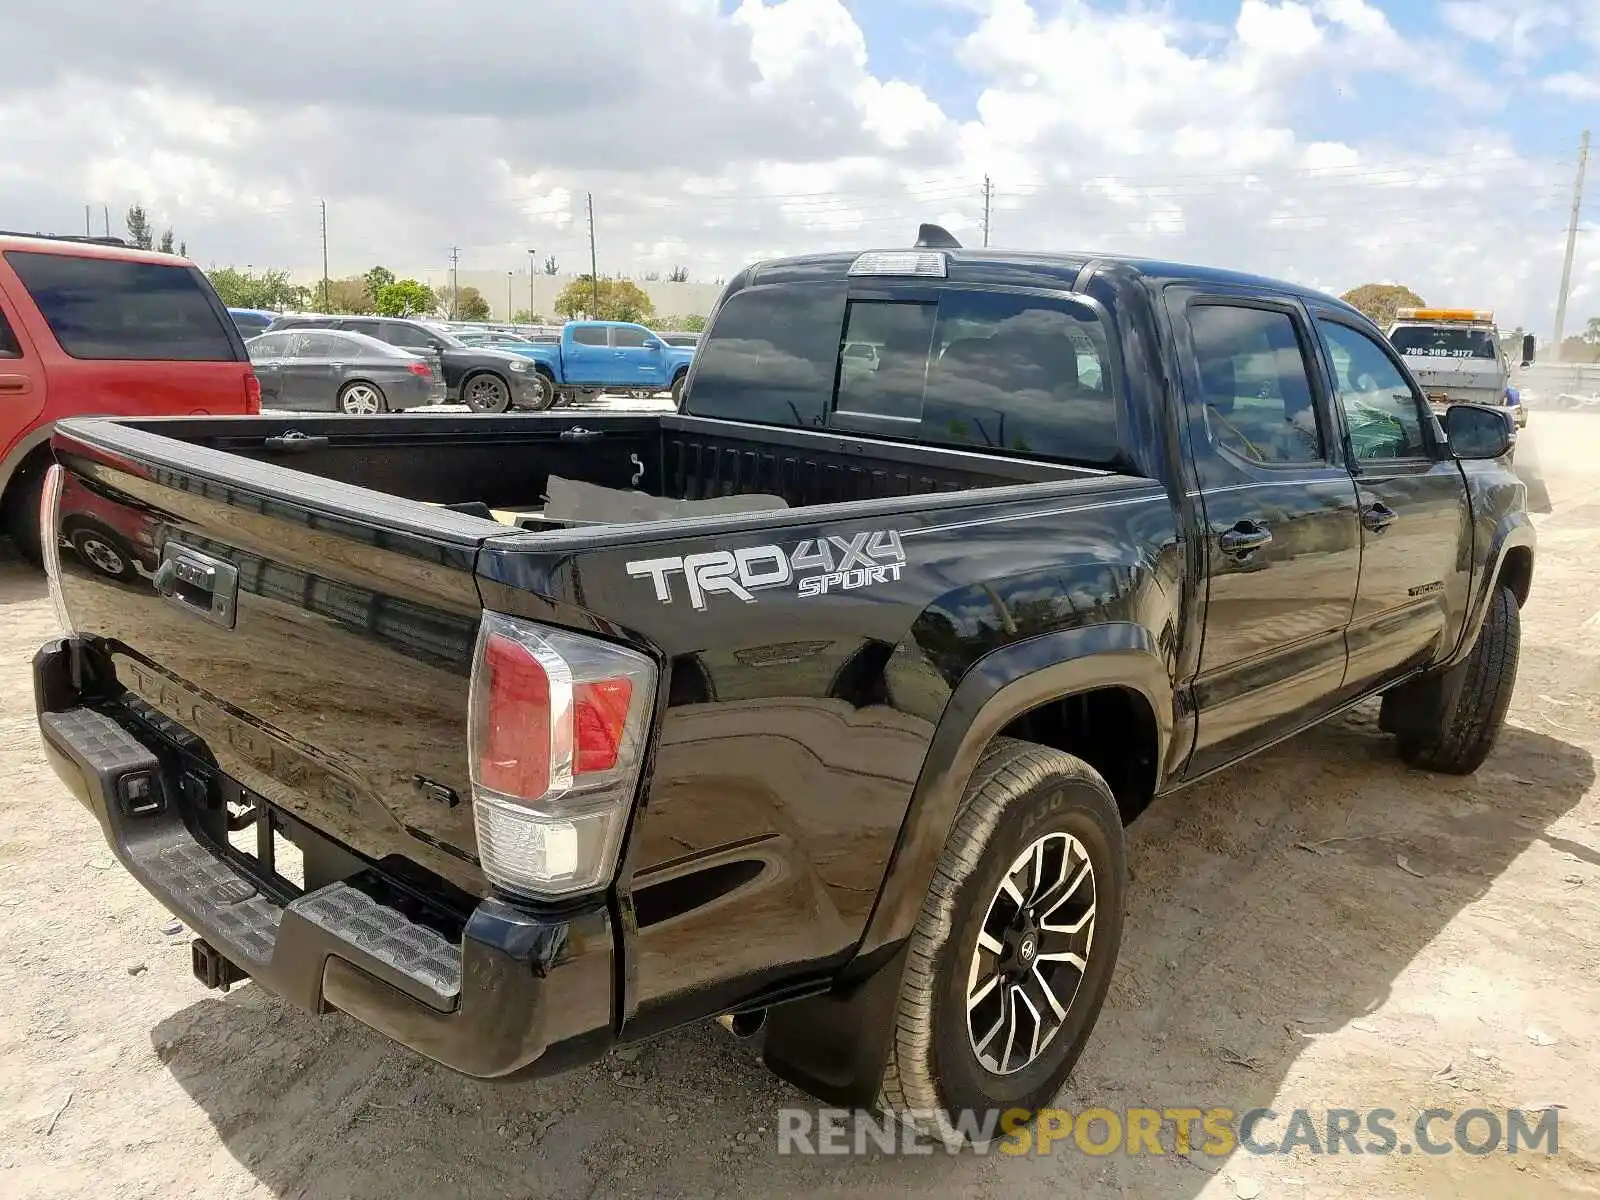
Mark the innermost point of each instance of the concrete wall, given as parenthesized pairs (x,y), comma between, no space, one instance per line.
(670,299)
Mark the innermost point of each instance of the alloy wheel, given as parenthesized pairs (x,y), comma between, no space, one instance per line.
(1031,953)
(359,400)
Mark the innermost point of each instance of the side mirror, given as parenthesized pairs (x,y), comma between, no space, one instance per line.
(1478,431)
(655,344)
(1527,348)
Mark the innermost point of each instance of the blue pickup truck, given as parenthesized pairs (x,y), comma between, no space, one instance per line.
(594,356)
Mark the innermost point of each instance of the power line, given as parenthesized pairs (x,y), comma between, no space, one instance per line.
(1572,241)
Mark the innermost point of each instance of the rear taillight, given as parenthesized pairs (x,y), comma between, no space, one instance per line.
(252,393)
(419,369)
(556,738)
(50,543)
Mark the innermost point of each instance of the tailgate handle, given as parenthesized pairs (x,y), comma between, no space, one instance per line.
(295,440)
(199,584)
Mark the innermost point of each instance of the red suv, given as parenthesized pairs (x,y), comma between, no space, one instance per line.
(92,326)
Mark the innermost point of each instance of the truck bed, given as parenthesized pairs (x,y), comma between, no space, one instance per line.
(504,464)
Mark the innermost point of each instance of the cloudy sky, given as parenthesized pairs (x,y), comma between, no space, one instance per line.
(1329,141)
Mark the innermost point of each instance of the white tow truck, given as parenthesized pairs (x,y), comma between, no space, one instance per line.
(1455,354)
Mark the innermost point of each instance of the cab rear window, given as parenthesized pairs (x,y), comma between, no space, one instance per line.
(102,308)
(980,370)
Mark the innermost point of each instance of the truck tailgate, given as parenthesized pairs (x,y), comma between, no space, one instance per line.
(317,637)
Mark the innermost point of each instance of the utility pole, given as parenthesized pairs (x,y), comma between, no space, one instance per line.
(87,231)
(455,282)
(510,275)
(594,270)
(1572,241)
(324,256)
(105,210)
(988,194)
(531,308)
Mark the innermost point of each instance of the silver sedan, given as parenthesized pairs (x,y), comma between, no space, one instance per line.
(327,369)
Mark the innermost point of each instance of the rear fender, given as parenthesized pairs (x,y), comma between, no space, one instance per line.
(835,1044)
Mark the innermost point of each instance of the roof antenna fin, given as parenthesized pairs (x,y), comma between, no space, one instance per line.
(935,237)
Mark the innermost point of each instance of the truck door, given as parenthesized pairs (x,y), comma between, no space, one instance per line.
(586,354)
(1282,551)
(640,356)
(1416,530)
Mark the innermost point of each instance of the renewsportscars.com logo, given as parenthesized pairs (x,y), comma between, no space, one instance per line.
(814,567)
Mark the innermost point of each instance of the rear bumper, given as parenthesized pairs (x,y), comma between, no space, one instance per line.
(519,993)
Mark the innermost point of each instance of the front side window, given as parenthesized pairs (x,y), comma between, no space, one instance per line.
(409,337)
(1254,383)
(106,308)
(1382,412)
(630,337)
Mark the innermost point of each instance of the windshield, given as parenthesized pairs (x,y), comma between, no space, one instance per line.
(1443,341)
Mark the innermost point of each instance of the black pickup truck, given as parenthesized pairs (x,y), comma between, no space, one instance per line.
(819,704)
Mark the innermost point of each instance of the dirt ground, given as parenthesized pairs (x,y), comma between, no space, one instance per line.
(1319,928)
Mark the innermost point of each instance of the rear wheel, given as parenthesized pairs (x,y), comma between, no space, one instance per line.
(362,399)
(486,393)
(677,387)
(103,551)
(22,510)
(1013,952)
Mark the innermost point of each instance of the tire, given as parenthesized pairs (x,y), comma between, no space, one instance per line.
(103,551)
(547,392)
(1448,722)
(358,398)
(22,511)
(486,392)
(677,387)
(1022,796)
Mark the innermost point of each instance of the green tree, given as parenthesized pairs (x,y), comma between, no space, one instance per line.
(471,305)
(406,298)
(376,280)
(694,323)
(351,295)
(618,300)
(525,316)
(139,228)
(1591,332)
(248,289)
(679,275)
(550,265)
(1379,301)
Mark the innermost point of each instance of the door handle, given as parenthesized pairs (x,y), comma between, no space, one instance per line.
(1244,539)
(1378,517)
(15,385)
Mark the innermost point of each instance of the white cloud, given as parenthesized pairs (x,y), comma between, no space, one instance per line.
(1573,85)
(709,138)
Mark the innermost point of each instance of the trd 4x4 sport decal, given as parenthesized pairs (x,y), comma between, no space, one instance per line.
(814,567)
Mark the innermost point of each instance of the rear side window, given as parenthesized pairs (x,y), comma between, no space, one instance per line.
(9,348)
(101,308)
(268,345)
(590,335)
(411,337)
(1254,383)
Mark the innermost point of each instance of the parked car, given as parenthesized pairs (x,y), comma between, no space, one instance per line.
(484,378)
(680,339)
(821,702)
(93,326)
(594,356)
(251,321)
(341,371)
(513,342)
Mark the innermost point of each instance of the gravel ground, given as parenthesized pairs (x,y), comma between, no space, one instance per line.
(1318,928)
